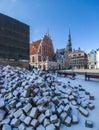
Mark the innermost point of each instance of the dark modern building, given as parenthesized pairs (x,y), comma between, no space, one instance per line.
(14,39)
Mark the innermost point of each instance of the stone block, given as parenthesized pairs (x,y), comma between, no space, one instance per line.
(91,106)
(27,120)
(46,122)
(2,114)
(67,109)
(91,97)
(53,119)
(65,101)
(63,116)
(19,105)
(40,127)
(74,119)
(18,113)
(41,118)
(71,97)
(34,112)
(15,93)
(88,124)
(83,111)
(27,108)
(34,123)
(15,122)
(6,121)
(41,109)
(29,128)
(6,127)
(84,104)
(67,121)
(47,113)
(57,125)
(59,110)
(2,103)
(22,126)
(50,127)
(26,93)
(74,103)
(22,117)
(55,100)
(12,104)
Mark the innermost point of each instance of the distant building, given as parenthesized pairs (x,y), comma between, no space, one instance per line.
(78,59)
(97,59)
(92,60)
(14,41)
(68,50)
(69,44)
(61,55)
(42,53)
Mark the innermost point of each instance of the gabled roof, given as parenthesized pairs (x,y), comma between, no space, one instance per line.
(34,46)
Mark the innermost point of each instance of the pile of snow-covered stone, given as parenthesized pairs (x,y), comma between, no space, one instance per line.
(36,100)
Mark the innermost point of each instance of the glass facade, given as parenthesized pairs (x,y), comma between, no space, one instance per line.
(14,39)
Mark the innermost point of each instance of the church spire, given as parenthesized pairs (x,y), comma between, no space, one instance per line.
(69,44)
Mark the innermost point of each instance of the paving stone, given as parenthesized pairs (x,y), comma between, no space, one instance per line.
(71,97)
(55,100)
(2,114)
(22,117)
(59,110)
(63,116)
(34,112)
(67,109)
(12,104)
(18,113)
(89,124)
(22,126)
(27,108)
(65,101)
(27,120)
(6,121)
(6,127)
(46,122)
(41,118)
(47,113)
(40,127)
(41,109)
(68,121)
(83,111)
(53,109)
(19,105)
(57,125)
(74,119)
(74,103)
(29,128)
(26,93)
(54,119)
(50,127)
(91,106)
(91,97)
(15,122)
(2,103)
(15,93)
(34,123)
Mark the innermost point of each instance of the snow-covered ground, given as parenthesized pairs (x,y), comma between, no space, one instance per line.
(93,87)
(43,101)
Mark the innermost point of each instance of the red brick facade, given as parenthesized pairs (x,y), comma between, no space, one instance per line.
(41,50)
